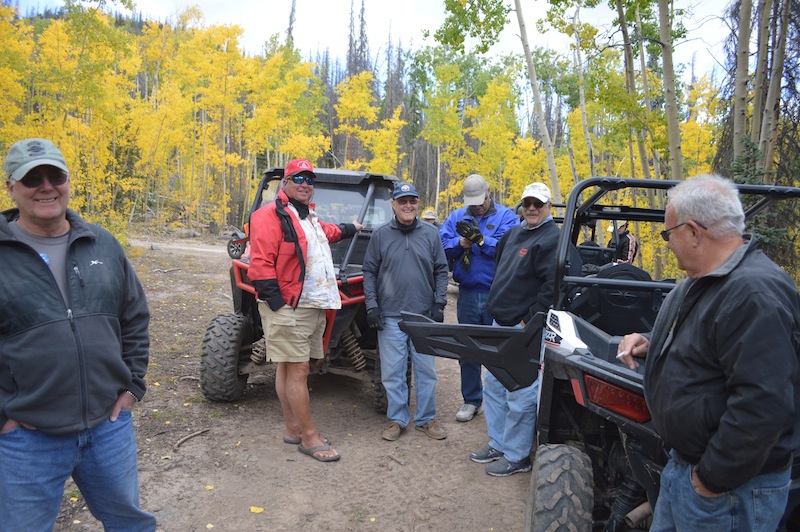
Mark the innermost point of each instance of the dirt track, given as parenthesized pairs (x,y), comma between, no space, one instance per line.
(238,475)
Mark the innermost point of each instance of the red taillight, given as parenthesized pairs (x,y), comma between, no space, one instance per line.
(616,399)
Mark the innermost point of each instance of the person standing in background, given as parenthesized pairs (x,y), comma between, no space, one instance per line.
(430,217)
(624,244)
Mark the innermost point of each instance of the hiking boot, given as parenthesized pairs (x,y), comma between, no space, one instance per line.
(504,468)
(485,454)
(433,430)
(468,411)
(392,432)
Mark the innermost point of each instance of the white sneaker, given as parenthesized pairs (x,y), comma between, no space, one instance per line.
(467,412)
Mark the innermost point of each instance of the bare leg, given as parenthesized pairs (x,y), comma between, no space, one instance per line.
(296,392)
(292,429)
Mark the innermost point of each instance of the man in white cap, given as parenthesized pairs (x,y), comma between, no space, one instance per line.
(74,349)
(430,217)
(523,286)
(470,235)
(624,243)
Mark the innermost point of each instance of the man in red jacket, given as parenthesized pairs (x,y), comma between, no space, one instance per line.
(292,270)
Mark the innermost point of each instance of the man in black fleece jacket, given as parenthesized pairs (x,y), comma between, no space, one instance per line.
(721,377)
(522,286)
(74,349)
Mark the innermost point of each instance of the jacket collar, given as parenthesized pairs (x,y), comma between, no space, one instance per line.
(750,245)
(78,227)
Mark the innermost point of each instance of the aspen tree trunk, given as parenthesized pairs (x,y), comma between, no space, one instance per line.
(646,93)
(670,97)
(630,83)
(769,124)
(438,177)
(740,83)
(537,97)
(762,64)
(581,94)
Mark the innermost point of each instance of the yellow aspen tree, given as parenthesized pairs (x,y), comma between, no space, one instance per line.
(384,145)
(355,108)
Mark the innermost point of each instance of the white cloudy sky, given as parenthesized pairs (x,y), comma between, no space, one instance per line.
(323,24)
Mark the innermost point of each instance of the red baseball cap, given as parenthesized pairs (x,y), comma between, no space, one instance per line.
(298,166)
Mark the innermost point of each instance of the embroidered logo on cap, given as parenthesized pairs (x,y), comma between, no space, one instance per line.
(35,148)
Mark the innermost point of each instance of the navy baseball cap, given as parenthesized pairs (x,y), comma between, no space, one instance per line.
(402,190)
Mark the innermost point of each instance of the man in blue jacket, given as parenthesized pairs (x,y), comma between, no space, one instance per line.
(469,236)
(74,348)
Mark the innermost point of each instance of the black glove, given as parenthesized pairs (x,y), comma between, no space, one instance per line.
(374,319)
(470,232)
(437,312)
(466,261)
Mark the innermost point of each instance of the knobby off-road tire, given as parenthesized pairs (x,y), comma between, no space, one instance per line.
(561,495)
(225,343)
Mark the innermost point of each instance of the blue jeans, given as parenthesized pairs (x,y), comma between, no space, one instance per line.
(395,348)
(757,505)
(471,308)
(510,417)
(34,467)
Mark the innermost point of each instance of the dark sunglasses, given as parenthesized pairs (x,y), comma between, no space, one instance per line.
(665,233)
(526,203)
(404,201)
(298,179)
(36,180)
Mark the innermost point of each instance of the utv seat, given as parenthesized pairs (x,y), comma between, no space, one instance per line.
(618,311)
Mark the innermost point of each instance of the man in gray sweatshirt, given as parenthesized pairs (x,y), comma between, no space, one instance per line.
(405,269)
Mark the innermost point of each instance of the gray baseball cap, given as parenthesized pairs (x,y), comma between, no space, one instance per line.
(27,154)
(475,189)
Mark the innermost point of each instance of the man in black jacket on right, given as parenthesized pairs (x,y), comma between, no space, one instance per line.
(721,377)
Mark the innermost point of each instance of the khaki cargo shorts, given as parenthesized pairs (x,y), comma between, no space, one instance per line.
(292,335)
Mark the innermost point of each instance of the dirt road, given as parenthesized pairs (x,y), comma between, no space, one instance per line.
(234,473)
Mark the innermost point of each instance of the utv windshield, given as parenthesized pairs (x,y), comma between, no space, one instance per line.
(342,203)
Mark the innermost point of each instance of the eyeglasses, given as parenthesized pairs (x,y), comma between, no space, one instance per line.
(526,203)
(407,201)
(298,179)
(665,233)
(36,180)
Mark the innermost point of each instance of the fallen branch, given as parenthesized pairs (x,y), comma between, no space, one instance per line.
(166,271)
(396,460)
(187,438)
